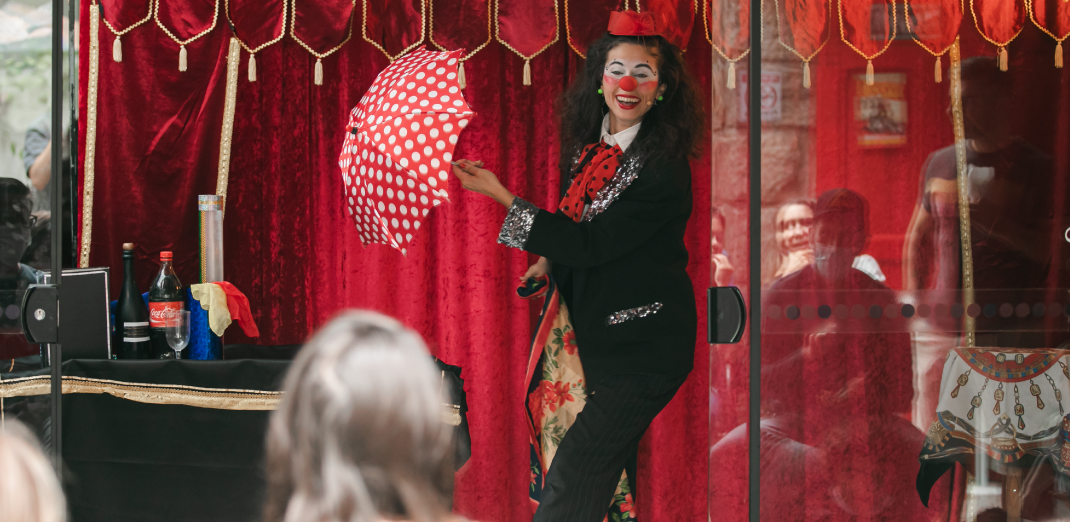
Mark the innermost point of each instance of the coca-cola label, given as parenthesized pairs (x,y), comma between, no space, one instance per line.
(159,313)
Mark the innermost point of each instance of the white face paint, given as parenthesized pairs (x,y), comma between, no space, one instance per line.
(630,85)
(642,70)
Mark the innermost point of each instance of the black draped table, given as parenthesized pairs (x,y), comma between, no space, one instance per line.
(171,440)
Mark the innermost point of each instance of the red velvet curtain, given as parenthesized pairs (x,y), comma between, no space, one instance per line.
(290,247)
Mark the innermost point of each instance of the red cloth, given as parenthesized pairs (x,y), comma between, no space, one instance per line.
(527,25)
(675,18)
(1053,15)
(461,24)
(257,22)
(865,26)
(936,23)
(728,26)
(598,165)
(804,25)
(586,22)
(999,20)
(295,253)
(240,312)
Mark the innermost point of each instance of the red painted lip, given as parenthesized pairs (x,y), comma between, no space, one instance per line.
(628,106)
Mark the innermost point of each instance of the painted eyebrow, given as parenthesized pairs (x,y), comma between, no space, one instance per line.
(616,62)
(645,65)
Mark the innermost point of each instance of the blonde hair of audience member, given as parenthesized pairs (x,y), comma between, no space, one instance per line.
(794,221)
(29,489)
(359,436)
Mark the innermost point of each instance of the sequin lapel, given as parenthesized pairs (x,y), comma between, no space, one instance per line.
(628,170)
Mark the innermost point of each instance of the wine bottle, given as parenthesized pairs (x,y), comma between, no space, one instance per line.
(131,314)
(166,299)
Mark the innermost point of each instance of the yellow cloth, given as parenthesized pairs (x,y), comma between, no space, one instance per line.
(213,299)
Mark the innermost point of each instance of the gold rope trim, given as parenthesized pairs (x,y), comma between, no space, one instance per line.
(891,38)
(282,31)
(293,34)
(527,59)
(364,30)
(127,30)
(963,185)
(709,36)
(568,31)
(89,167)
(1001,46)
(183,43)
(913,35)
(780,31)
(214,398)
(233,64)
(169,394)
(492,12)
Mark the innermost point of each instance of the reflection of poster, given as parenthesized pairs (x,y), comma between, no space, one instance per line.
(771,82)
(881,110)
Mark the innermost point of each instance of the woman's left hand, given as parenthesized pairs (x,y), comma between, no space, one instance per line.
(478,179)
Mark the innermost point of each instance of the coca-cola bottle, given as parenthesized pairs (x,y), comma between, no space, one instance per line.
(131,315)
(166,299)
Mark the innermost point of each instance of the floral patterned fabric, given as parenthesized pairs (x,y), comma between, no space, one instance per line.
(557,392)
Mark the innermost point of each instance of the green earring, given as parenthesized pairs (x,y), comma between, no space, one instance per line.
(599,90)
(660,98)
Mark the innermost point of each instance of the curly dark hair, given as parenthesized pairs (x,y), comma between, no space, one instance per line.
(672,129)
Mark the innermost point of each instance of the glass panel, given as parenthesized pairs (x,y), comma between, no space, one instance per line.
(25,182)
(729,256)
(915,272)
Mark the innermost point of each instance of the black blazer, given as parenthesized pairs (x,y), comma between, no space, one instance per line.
(622,270)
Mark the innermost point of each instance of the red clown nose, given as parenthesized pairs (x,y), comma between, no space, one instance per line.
(628,83)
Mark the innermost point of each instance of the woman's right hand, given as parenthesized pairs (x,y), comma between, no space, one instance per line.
(539,269)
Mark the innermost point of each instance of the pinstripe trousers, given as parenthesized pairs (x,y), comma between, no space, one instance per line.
(602,442)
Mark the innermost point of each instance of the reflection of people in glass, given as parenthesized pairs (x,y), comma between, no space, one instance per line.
(37,158)
(16,222)
(836,440)
(722,266)
(1010,187)
(794,220)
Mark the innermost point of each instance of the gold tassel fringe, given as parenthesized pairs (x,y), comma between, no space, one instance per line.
(731,75)
(252,67)
(939,71)
(117,50)
(527,72)
(1003,59)
(870,80)
(806,75)
(1059,55)
(460,75)
(182,59)
(319,72)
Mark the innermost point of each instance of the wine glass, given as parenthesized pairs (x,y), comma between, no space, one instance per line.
(176,328)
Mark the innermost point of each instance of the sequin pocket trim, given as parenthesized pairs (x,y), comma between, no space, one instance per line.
(632,313)
(517,225)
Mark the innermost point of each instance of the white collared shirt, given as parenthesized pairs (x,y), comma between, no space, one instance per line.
(621,139)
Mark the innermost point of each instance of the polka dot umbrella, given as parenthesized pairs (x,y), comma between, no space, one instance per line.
(399,142)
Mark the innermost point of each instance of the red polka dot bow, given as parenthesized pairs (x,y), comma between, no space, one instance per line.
(399,142)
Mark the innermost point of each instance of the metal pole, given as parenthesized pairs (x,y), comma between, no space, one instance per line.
(754,127)
(55,352)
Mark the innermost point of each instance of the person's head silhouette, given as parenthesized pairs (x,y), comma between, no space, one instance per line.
(840,232)
(16,221)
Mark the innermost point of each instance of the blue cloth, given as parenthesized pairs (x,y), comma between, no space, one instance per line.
(204,344)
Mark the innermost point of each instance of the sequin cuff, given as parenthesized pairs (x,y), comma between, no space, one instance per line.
(517,224)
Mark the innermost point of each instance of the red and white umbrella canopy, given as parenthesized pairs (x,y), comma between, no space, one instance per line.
(396,156)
